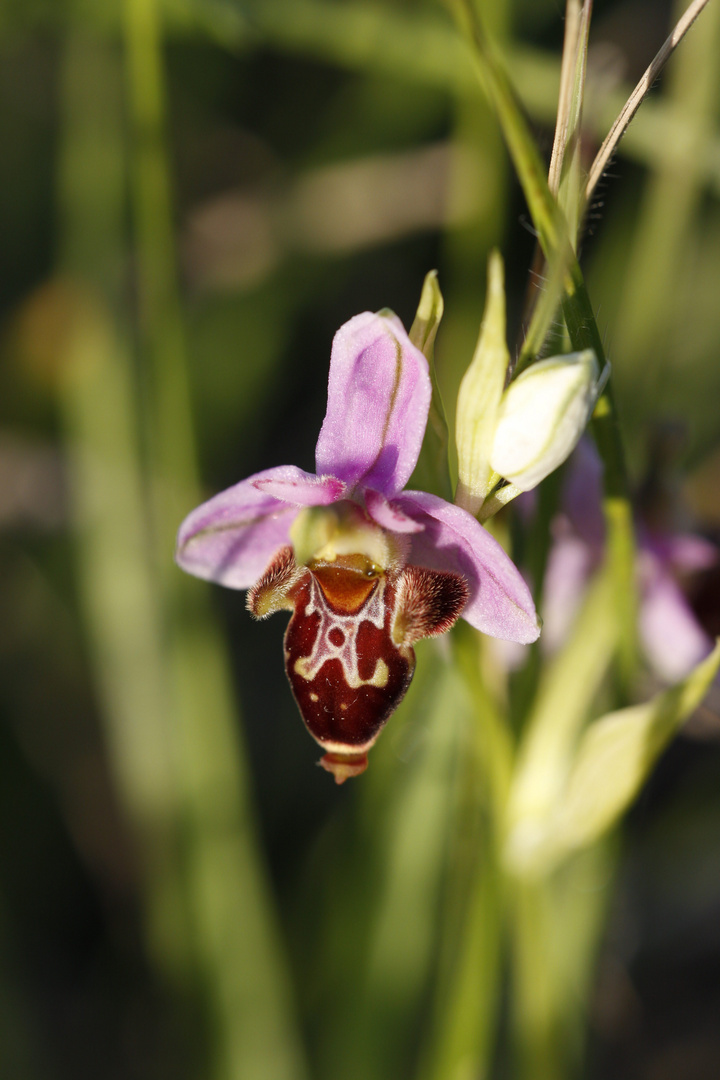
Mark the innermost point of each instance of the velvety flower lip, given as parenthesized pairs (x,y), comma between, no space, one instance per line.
(379,392)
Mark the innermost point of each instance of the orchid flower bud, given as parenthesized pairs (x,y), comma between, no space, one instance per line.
(542,415)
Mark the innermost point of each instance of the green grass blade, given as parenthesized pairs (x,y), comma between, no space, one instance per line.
(614,758)
(564,696)
(239,957)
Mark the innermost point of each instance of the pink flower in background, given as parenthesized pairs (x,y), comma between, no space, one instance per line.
(671,636)
(366,567)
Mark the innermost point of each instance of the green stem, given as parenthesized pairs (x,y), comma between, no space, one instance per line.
(539,1047)
(555,241)
(464,1031)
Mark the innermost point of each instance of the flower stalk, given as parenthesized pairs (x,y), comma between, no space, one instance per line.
(554,238)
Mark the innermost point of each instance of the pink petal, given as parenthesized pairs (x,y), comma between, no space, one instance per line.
(389,514)
(306,490)
(684,551)
(232,537)
(500,603)
(378,399)
(570,564)
(673,640)
(582,493)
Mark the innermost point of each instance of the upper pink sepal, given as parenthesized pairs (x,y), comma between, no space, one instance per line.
(232,537)
(379,393)
(500,603)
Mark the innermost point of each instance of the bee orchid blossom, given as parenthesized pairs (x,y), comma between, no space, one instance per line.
(365,567)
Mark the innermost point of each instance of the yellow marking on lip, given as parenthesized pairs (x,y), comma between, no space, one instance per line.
(380,675)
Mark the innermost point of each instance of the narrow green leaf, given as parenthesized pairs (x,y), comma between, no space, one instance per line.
(241,975)
(618,751)
(567,77)
(466,1033)
(613,759)
(523,150)
(636,98)
(555,923)
(562,703)
(566,182)
(461,1038)
(564,178)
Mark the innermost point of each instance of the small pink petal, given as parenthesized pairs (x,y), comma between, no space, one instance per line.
(582,493)
(673,640)
(500,603)
(687,552)
(570,564)
(232,537)
(378,399)
(389,514)
(306,490)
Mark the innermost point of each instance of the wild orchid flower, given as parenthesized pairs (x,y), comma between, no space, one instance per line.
(365,567)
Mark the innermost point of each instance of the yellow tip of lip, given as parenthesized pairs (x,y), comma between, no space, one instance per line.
(343,766)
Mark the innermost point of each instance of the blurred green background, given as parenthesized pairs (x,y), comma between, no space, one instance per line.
(194,195)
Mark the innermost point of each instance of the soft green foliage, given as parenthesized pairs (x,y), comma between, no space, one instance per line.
(567,689)
(613,760)
(163,678)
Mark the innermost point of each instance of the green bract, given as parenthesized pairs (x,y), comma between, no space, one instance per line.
(480,395)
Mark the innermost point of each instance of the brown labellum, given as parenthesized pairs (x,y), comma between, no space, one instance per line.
(348,646)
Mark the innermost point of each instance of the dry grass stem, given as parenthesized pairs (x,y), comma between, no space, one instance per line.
(635,100)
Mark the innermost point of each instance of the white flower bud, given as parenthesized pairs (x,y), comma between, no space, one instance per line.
(542,415)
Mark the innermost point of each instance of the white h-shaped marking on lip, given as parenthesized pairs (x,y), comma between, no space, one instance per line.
(373,611)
